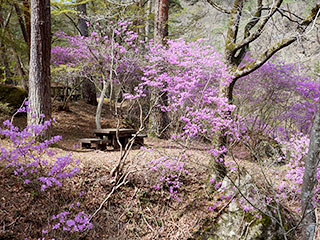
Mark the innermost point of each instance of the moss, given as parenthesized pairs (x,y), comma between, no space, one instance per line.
(264,220)
(267,226)
(207,229)
(13,96)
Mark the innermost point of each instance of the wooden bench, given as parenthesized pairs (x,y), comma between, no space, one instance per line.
(95,143)
(139,140)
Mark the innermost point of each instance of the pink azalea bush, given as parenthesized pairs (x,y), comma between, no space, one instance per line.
(277,99)
(27,156)
(67,222)
(280,101)
(168,171)
(189,74)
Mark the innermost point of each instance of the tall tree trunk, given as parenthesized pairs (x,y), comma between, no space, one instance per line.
(161,11)
(147,26)
(40,53)
(310,180)
(159,120)
(100,104)
(217,169)
(22,24)
(139,21)
(89,93)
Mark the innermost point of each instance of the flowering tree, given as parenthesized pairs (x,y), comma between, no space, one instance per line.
(189,73)
(109,56)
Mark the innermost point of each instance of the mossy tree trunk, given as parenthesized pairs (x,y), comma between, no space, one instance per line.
(235,50)
(310,180)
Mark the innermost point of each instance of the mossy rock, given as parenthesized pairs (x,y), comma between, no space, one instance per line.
(13,96)
(235,223)
(239,225)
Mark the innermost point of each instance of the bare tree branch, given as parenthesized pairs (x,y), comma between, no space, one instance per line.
(260,28)
(219,8)
(253,22)
(279,45)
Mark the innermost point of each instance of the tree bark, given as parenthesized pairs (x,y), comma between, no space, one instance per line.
(310,180)
(147,26)
(89,93)
(40,53)
(100,104)
(161,11)
(159,120)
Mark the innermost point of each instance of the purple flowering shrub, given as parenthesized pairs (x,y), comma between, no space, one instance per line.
(166,173)
(26,155)
(189,73)
(277,100)
(290,186)
(67,222)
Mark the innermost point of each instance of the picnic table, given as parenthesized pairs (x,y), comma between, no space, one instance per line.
(110,134)
(108,137)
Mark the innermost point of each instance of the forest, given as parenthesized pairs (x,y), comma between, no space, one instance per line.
(160,119)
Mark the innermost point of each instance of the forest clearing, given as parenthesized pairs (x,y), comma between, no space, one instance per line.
(137,210)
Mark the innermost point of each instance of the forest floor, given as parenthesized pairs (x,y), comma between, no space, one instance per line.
(134,211)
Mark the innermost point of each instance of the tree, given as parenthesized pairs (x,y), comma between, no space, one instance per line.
(309,181)
(88,88)
(159,120)
(236,48)
(40,53)
(161,10)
